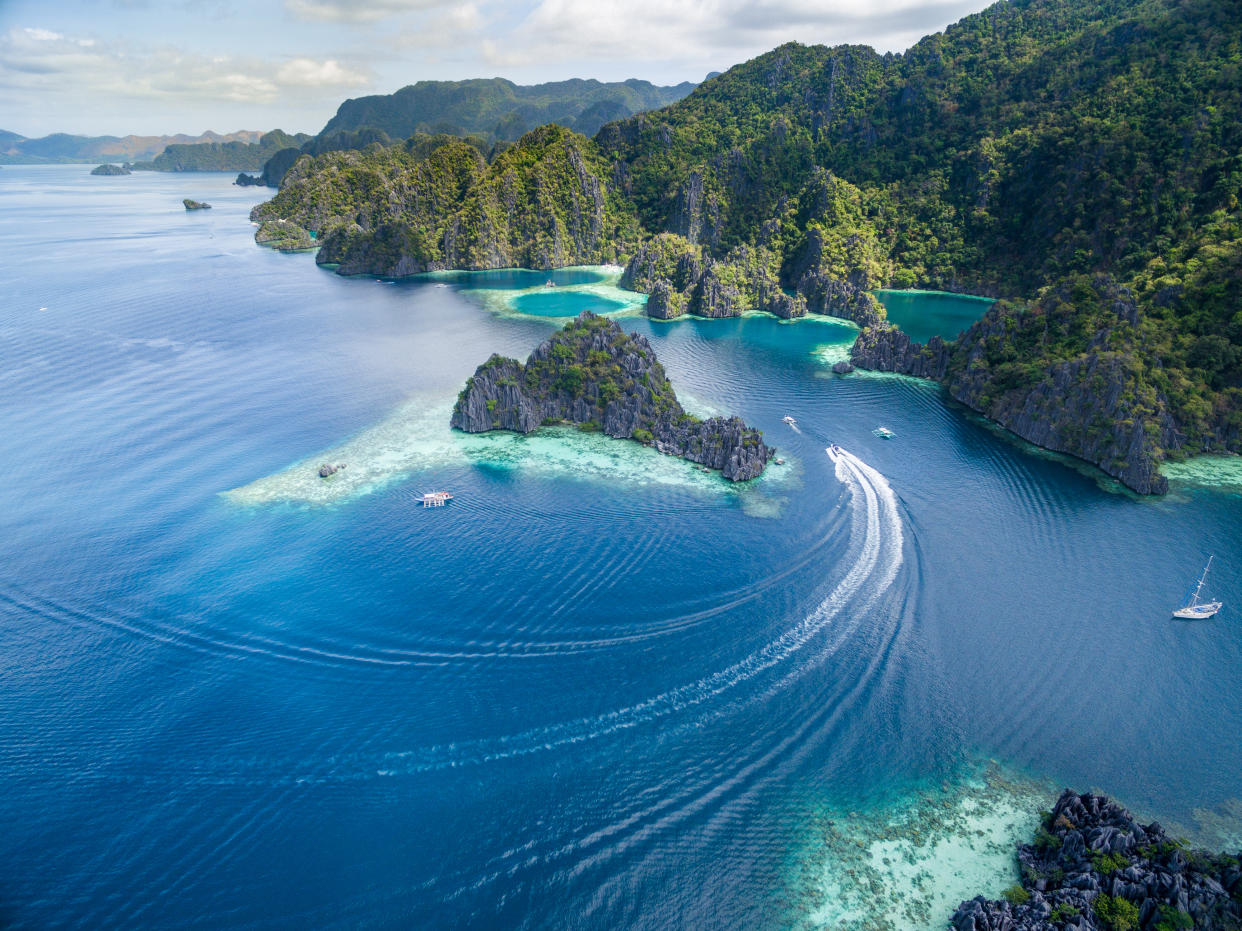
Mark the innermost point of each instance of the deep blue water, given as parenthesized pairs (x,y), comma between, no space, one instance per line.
(560,701)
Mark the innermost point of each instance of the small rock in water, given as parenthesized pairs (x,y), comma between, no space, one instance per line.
(328,469)
(842,368)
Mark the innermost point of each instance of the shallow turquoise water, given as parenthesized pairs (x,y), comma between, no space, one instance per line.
(555,303)
(924,314)
(599,689)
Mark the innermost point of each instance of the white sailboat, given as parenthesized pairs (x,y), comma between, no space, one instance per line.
(1194,609)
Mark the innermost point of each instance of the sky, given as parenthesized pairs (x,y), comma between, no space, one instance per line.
(155,67)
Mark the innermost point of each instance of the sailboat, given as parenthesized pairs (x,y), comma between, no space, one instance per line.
(1196,610)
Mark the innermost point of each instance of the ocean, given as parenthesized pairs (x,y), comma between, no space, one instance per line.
(600,688)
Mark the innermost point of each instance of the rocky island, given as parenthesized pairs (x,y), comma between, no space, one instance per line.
(195,204)
(109,169)
(1092,867)
(594,374)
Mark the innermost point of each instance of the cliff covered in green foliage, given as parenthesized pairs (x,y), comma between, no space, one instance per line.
(1080,158)
(595,375)
(436,203)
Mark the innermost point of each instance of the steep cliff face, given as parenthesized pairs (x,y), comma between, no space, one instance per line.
(1101,406)
(682,278)
(433,204)
(1093,867)
(593,373)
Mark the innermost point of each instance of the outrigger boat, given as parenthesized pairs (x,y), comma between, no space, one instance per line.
(1194,609)
(789,420)
(884,433)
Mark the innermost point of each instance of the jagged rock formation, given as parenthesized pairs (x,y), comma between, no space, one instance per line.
(1092,867)
(195,204)
(594,374)
(1021,152)
(110,169)
(546,202)
(1102,405)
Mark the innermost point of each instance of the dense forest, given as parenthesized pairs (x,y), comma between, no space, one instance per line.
(1080,160)
(493,112)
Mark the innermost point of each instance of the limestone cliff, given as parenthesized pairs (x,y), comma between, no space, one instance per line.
(1101,406)
(1093,867)
(594,374)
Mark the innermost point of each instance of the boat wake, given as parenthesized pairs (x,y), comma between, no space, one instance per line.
(874,557)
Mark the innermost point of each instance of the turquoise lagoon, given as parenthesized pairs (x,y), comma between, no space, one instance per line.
(924,314)
(600,688)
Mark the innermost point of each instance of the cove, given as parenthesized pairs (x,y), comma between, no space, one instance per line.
(924,314)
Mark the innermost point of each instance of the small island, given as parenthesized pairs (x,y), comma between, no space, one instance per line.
(109,169)
(196,204)
(595,375)
(1092,867)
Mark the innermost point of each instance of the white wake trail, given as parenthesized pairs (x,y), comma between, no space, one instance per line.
(875,552)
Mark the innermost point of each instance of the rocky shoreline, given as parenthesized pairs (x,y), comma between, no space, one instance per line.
(1099,406)
(1093,867)
(595,375)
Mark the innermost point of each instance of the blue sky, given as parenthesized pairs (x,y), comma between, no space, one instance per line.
(164,66)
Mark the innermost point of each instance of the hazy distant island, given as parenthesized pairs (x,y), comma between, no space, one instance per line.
(1073,160)
(595,375)
(1092,867)
(64,148)
(108,169)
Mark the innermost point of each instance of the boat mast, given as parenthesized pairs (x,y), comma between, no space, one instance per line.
(1202,579)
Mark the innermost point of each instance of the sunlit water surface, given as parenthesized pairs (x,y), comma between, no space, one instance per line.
(599,689)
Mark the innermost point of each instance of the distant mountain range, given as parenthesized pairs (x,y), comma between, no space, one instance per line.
(490,110)
(16,149)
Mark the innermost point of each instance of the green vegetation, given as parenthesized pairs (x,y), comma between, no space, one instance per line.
(434,202)
(283,236)
(1171,919)
(1117,914)
(1081,158)
(497,109)
(1064,912)
(1016,895)
(1108,863)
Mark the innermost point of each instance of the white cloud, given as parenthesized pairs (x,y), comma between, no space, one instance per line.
(305,72)
(715,33)
(357,11)
(40,62)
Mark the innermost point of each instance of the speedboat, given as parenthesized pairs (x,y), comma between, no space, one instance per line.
(834,452)
(1194,609)
(884,433)
(789,420)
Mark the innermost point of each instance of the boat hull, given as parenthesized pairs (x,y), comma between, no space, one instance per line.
(1198,612)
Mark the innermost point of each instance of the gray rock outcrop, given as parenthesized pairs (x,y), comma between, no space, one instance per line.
(1094,868)
(594,374)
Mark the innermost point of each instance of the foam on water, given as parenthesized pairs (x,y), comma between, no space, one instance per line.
(906,865)
(416,441)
